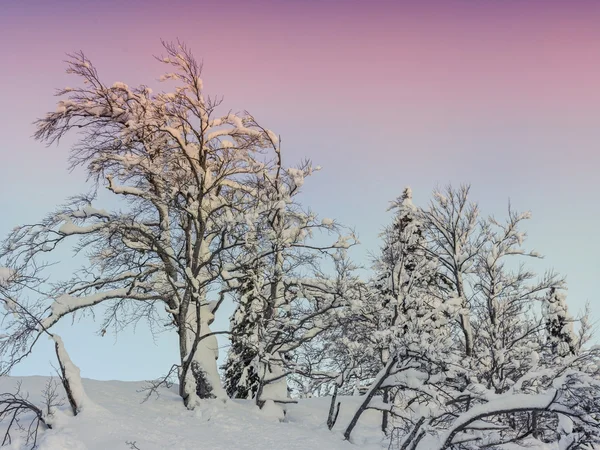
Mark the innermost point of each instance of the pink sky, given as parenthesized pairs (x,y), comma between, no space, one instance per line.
(462,55)
(386,66)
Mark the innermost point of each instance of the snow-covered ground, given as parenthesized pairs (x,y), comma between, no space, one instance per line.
(116,415)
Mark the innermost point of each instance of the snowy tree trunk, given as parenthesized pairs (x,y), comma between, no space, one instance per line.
(70,377)
(272,394)
(375,386)
(535,432)
(333,409)
(465,323)
(204,366)
(465,319)
(199,377)
(385,416)
(273,384)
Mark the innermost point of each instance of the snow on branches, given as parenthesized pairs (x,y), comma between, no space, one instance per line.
(206,198)
(451,337)
(459,355)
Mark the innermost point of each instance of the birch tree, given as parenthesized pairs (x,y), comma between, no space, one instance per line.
(185,179)
(455,238)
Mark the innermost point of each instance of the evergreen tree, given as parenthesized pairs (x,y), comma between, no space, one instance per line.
(404,270)
(559,325)
(241,369)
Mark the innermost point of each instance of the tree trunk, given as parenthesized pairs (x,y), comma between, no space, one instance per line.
(385,416)
(333,413)
(465,323)
(66,383)
(465,319)
(370,394)
(199,376)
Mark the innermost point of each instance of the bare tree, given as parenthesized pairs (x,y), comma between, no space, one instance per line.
(13,406)
(25,417)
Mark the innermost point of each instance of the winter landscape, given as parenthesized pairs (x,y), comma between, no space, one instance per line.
(178,271)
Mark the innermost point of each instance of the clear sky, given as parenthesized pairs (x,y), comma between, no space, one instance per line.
(503,94)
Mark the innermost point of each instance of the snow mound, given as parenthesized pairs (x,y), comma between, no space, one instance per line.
(121,419)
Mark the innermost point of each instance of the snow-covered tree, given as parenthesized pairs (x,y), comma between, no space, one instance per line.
(308,307)
(241,369)
(186,179)
(452,338)
(455,238)
(286,300)
(504,304)
(406,309)
(466,369)
(559,324)
(404,272)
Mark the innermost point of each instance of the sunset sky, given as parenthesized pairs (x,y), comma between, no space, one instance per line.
(502,94)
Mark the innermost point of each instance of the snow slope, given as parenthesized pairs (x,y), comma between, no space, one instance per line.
(115,415)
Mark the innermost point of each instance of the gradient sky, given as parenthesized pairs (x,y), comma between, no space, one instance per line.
(503,94)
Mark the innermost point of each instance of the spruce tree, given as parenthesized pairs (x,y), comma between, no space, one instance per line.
(241,369)
(559,325)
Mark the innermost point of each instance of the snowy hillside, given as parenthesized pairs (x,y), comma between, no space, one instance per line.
(117,417)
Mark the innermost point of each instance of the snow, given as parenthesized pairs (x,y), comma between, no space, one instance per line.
(327,222)
(69,228)
(66,304)
(565,424)
(297,176)
(5,275)
(207,351)
(275,387)
(71,374)
(10,306)
(164,422)
(273,411)
(501,403)
(89,211)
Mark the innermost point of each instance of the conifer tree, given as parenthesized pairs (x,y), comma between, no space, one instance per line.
(559,324)
(241,368)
